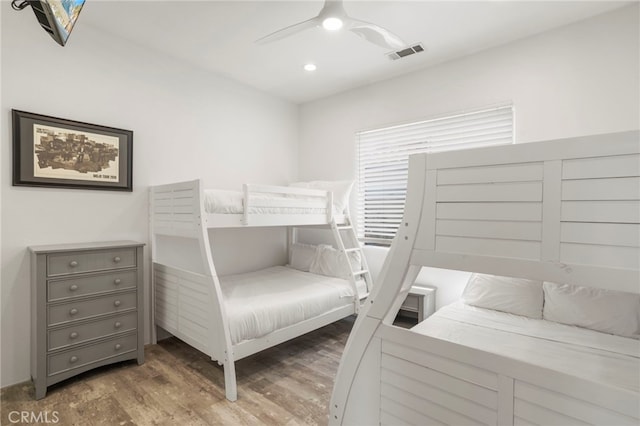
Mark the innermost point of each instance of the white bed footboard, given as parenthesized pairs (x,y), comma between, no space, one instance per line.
(566,211)
(426,381)
(183,307)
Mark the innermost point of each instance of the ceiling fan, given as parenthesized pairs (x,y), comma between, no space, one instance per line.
(333,17)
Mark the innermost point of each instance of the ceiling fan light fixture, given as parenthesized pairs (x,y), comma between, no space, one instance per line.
(332,23)
(333,17)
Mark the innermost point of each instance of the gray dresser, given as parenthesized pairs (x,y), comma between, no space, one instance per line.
(86,308)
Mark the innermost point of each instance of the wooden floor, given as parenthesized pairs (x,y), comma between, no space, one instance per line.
(289,384)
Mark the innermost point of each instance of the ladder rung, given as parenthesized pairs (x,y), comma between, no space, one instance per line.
(344,227)
(351,250)
(364,296)
(362,272)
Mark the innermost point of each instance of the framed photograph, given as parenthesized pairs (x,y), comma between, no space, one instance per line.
(56,152)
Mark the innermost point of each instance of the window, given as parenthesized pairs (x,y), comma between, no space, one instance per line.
(383,158)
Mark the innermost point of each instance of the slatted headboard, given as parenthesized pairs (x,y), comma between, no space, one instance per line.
(565,210)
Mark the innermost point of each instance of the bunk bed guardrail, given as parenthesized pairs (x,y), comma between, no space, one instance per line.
(253,200)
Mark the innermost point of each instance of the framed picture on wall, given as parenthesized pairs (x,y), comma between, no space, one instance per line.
(57,152)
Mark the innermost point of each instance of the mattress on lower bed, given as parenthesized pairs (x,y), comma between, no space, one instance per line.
(220,201)
(588,354)
(260,302)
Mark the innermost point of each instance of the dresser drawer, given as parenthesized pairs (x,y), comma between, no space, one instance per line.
(82,286)
(82,333)
(76,358)
(76,310)
(101,260)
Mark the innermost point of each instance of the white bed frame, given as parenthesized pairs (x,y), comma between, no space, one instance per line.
(566,211)
(188,301)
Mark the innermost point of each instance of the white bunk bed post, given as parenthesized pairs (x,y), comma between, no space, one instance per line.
(152,314)
(292,238)
(395,273)
(566,211)
(217,313)
(329,207)
(247,204)
(184,275)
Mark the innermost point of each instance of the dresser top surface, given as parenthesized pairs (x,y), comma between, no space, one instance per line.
(51,248)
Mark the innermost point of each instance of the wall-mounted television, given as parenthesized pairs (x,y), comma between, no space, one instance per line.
(57,17)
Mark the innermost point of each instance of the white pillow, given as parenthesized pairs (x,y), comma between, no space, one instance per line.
(514,295)
(301,256)
(330,262)
(223,201)
(341,190)
(608,311)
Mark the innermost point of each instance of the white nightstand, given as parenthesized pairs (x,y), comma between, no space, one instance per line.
(420,303)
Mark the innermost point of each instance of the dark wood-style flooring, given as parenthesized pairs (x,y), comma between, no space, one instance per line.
(289,384)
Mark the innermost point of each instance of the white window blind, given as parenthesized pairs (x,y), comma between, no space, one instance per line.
(383,158)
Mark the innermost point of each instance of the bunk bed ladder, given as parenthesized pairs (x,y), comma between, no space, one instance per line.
(353,247)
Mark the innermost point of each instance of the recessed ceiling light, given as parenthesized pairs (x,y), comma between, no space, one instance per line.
(310,67)
(332,24)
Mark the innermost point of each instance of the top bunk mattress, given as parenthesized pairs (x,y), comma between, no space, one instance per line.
(595,356)
(258,303)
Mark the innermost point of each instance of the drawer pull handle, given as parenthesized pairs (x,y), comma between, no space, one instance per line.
(73,335)
(73,359)
(118,346)
(116,259)
(117,303)
(117,281)
(73,287)
(73,263)
(73,311)
(117,324)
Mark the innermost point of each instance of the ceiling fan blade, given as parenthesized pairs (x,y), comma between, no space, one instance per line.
(376,34)
(290,30)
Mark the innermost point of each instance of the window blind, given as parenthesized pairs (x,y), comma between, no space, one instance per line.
(383,159)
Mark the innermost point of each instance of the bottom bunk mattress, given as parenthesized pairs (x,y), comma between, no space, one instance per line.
(258,303)
(595,356)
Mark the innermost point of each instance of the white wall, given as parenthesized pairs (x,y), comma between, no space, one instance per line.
(187,124)
(577,80)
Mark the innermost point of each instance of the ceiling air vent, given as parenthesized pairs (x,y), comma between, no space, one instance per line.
(412,50)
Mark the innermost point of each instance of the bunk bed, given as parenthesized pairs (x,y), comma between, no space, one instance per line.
(232,317)
(561,216)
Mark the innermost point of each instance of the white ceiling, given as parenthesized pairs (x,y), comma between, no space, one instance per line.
(219,36)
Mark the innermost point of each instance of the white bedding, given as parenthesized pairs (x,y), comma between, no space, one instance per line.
(592,355)
(260,302)
(231,202)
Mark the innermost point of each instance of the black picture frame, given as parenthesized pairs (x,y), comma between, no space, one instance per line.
(56,152)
